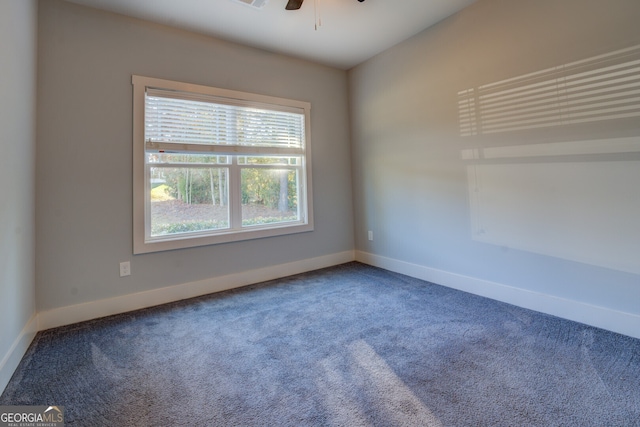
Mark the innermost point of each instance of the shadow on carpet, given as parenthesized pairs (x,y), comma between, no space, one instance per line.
(350,345)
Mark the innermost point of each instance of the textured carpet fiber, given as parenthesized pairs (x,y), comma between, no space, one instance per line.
(351,345)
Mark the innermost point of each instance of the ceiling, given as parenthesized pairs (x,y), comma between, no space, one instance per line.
(350,31)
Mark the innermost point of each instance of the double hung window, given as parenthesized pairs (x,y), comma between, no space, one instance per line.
(213,165)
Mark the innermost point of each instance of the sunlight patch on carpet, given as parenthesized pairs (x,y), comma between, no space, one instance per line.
(377,384)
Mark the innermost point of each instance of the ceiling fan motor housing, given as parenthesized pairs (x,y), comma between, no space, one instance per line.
(296,4)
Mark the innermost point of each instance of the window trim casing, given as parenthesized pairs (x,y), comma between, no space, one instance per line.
(140,184)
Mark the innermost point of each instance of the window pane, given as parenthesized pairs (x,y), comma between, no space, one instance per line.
(269,196)
(187,200)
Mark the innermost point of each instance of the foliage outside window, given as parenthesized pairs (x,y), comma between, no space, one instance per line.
(213,165)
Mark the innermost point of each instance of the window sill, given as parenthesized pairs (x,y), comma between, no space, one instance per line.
(167,243)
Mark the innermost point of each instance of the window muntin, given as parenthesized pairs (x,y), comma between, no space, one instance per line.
(213,166)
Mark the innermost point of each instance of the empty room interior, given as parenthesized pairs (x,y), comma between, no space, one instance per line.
(435,228)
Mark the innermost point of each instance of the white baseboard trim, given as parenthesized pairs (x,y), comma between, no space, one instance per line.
(12,358)
(122,304)
(601,317)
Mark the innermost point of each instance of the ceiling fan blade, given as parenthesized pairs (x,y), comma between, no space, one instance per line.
(294,4)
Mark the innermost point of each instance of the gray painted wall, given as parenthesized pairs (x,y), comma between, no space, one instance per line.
(18,28)
(552,209)
(84,160)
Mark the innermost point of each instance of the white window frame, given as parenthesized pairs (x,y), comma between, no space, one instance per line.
(143,242)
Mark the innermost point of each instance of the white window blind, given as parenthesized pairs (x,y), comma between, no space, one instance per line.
(173,117)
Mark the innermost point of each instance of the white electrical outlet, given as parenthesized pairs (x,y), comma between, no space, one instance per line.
(125,269)
(370,235)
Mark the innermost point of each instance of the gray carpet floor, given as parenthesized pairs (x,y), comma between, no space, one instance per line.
(350,345)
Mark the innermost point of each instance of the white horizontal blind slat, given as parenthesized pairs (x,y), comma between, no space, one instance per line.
(169,147)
